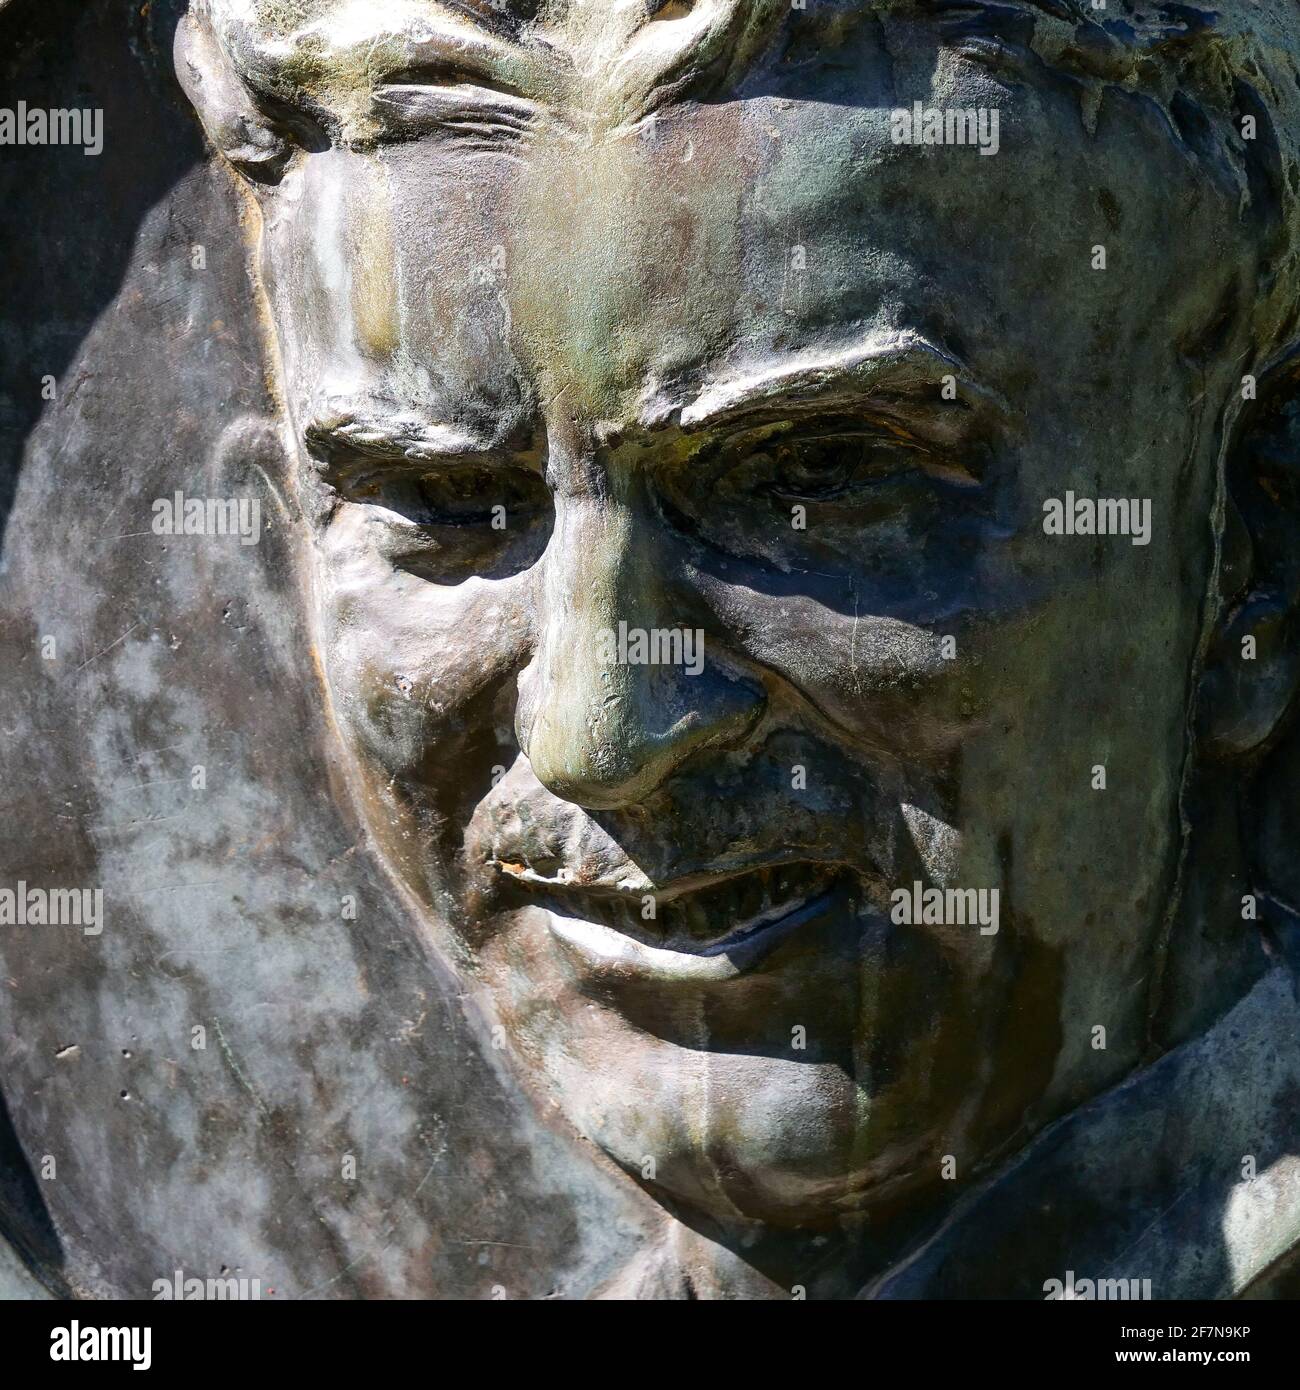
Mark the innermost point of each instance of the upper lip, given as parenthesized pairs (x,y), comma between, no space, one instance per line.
(627,880)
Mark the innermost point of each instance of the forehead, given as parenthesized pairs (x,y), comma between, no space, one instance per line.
(731,235)
(723,236)
(605,58)
(642,228)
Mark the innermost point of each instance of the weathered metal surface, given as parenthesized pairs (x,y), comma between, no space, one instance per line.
(529,961)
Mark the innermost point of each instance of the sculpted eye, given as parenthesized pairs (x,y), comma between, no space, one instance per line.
(476,497)
(446,76)
(853,466)
(817,470)
(799,496)
(448,524)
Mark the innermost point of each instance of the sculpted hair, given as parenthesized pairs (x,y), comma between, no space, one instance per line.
(1227,81)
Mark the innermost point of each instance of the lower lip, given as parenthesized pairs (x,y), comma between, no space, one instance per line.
(602,951)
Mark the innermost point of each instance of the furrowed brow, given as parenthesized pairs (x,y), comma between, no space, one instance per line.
(345,446)
(364,45)
(881,371)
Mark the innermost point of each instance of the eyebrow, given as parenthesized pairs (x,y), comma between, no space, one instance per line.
(357,439)
(878,370)
(447,39)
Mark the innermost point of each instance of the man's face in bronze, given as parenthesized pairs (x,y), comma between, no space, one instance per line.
(679,441)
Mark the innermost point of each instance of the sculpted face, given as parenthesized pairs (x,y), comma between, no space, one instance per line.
(626,323)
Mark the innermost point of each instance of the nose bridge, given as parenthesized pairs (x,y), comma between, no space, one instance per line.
(600,568)
(620,691)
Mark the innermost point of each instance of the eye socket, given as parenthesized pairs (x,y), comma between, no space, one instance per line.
(446,525)
(795,496)
(831,466)
(473,496)
(446,76)
(848,465)
(464,496)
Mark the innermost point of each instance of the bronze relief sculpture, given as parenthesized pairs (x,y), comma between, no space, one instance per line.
(784,550)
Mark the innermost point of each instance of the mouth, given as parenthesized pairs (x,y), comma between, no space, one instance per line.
(711,933)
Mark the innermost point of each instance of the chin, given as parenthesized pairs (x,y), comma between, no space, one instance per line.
(739,1138)
(752,1131)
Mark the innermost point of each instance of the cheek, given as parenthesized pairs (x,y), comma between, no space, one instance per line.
(411,663)
(1069,793)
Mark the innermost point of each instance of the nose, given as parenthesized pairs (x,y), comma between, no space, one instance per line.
(621,690)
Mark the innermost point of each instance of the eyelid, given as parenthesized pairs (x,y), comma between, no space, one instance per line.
(352,476)
(456,105)
(373,485)
(964,468)
(876,429)
(451,71)
(919,414)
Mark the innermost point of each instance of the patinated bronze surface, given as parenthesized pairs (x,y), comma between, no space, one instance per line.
(674,631)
